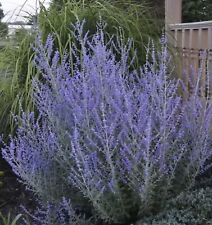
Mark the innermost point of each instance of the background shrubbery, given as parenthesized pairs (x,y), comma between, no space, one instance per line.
(197,10)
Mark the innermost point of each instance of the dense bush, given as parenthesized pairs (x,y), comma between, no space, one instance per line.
(196,10)
(188,208)
(114,144)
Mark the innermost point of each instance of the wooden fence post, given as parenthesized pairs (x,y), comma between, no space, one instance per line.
(173,11)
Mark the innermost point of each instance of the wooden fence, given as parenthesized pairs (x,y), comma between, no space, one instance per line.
(193,43)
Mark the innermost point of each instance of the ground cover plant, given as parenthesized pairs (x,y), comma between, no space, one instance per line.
(191,207)
(109,145)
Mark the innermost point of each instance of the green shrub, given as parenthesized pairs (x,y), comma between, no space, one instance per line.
(192,207)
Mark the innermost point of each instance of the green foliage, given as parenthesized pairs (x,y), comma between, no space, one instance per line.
(3,26)
(58,4)
(20,34)
(157,5)
(6,101)
(15,80)
(197,10)
(1,12)
(1,175)
(7,220)
(123,18)
(191,207)
(3,30)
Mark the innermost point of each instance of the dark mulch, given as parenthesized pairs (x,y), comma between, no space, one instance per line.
(13,194)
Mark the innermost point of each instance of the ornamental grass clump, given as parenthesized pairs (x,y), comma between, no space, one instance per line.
(114,143)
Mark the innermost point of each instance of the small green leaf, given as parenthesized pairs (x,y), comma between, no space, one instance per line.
(1,173)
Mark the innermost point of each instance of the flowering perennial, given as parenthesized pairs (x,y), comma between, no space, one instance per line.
(117,143)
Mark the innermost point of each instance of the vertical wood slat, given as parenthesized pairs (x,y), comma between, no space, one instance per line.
(209,67)
(209,37)
(203,71)
(175,37)
(199,38)
(200,64)
(190,38)
(183,39)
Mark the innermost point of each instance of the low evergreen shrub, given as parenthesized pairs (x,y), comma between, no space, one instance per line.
(191,207)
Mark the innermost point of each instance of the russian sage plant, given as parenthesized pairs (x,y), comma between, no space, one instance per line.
(116,143)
